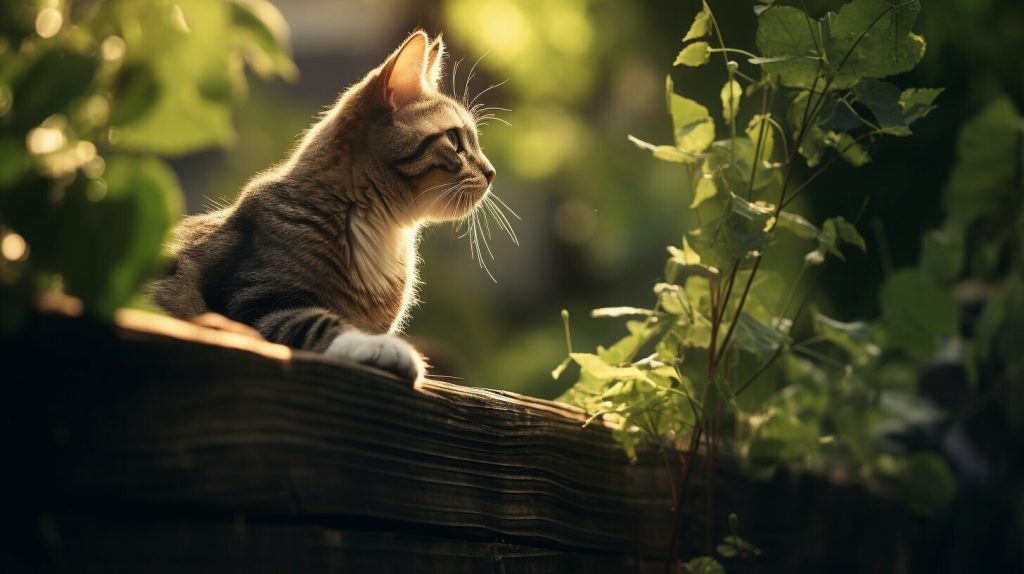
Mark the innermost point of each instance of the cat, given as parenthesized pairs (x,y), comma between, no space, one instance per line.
(319,252)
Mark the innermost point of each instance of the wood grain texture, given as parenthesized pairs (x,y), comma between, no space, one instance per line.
(118,418)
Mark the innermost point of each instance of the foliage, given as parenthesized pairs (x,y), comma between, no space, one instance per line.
(90,94)
(726,355)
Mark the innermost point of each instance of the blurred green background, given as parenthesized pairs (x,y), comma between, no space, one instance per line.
(577,77)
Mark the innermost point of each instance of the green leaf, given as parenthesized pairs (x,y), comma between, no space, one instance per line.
(598,368)
(838,116)
(705,565)
(845,231)
(198,74)
(557,371)
(917,102)
(740,232)
(691,123)
(855,338)
(696,54)
(664,152)
(758,338)
(672,298)
(263,33)
(799,226)
(785,39)
(834,231)
(873,39)
(760,126)
(135,91)
(704,191)
(883,99)
(850,149)
(943,253)
(782,437)
(620,312)
(700,26)
(917,314)
(107,247)
(730,96)
(987,157)
(49,85)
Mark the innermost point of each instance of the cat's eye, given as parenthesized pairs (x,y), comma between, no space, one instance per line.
(453,137)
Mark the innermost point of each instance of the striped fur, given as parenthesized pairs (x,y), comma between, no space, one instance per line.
(325,242)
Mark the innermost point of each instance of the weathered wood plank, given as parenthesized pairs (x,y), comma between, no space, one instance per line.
(148,420)
(221,546)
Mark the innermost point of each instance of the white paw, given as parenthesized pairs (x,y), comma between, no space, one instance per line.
(385,352)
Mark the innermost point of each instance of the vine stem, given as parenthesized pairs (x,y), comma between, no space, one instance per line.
(809,116)
(683,483)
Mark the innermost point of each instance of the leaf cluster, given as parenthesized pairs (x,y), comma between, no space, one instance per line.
(91,93)
(717,358)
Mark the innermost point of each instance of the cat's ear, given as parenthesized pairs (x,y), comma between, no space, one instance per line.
(403,77)
(435,57)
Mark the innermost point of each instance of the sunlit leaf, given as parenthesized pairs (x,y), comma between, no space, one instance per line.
(851,150)
(664,152)
(693,55)
(619,312)
(557,371)
(264,34)
(700,26)
(691,123)
(730,96)
(760,127)
(799,226)
(704,191)
(598,368)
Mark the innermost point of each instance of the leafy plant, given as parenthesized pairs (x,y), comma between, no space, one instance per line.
(90,94)
(727,356)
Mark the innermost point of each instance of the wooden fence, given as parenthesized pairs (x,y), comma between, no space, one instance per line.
(159,446)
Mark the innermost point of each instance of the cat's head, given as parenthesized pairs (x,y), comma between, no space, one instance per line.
(425,140)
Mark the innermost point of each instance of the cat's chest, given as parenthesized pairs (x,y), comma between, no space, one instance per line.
(384,277)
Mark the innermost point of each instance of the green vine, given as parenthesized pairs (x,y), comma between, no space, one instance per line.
(728,356)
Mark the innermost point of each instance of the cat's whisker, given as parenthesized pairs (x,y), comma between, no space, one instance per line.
(497,119)
(484,91)
(501,220)
(494,108)
(485,235)
(472,71)
(455,72)
(505,205)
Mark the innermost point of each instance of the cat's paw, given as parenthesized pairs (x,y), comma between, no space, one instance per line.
(385,352)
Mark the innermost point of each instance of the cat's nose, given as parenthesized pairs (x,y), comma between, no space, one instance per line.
(489,173)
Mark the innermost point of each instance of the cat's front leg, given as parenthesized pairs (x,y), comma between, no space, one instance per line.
(317,329)
(386,352)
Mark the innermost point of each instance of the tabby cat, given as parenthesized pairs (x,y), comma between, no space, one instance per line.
(319,252)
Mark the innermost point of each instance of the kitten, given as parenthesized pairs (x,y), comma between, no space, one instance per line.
(319,252)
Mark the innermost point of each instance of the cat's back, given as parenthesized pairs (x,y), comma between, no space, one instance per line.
(201,244)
